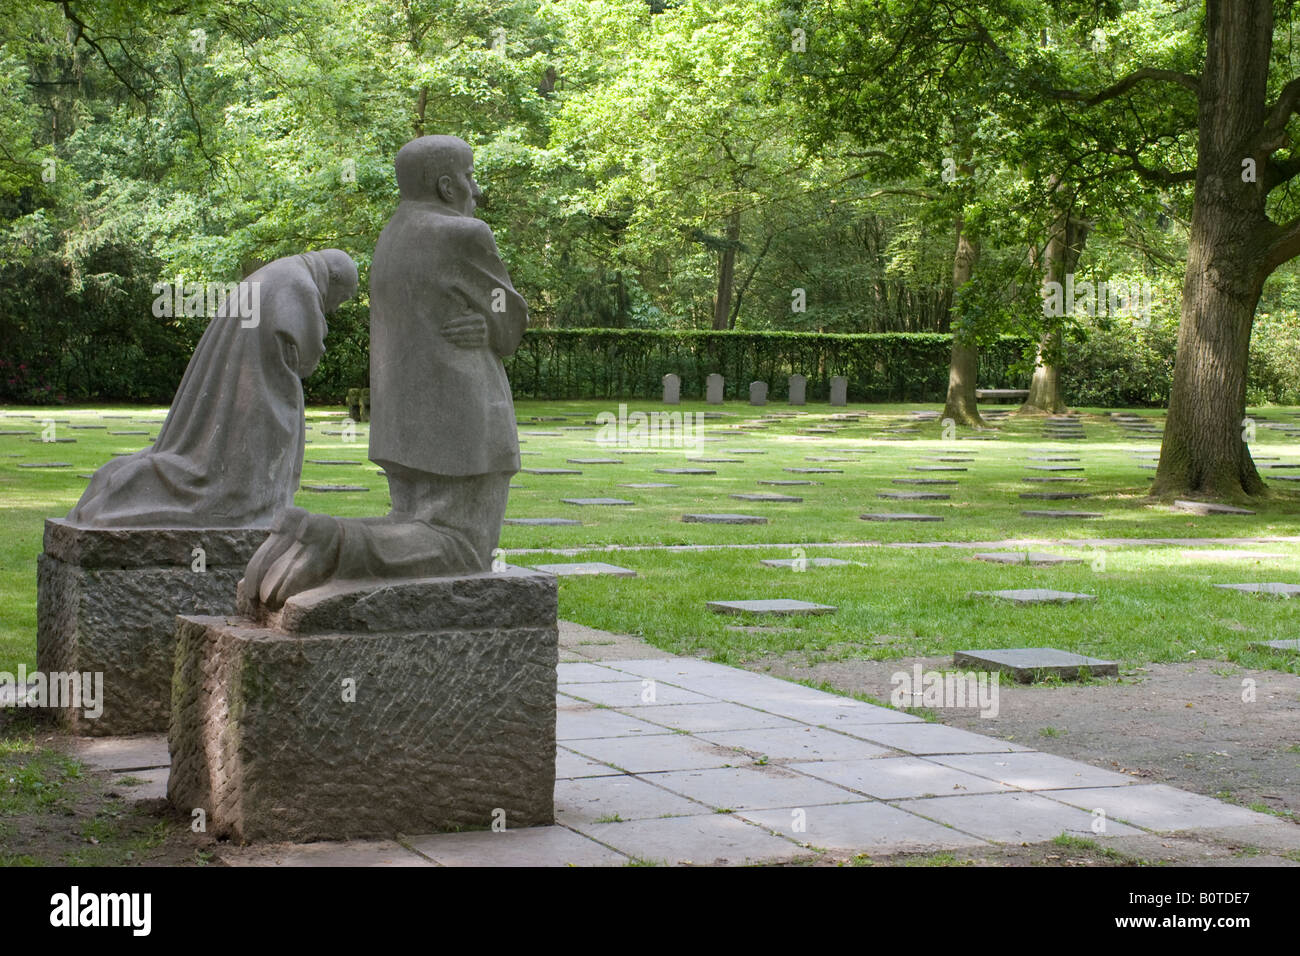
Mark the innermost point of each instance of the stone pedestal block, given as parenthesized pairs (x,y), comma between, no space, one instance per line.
(371,710)
(107,600)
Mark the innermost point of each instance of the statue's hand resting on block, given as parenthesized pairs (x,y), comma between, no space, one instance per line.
(301,553)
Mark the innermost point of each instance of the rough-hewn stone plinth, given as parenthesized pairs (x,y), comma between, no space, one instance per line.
(402,707)
(107,600)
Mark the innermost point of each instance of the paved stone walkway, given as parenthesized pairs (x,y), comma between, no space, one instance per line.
(675,760)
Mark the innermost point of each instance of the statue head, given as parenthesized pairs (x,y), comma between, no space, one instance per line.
(438,169)
(336,277)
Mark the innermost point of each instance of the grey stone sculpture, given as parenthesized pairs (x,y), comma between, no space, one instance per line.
(443,313)
(229,454)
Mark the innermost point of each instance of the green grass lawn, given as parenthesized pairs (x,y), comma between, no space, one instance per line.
(1153,602)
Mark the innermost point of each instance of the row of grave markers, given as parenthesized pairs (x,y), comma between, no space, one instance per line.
(713,386)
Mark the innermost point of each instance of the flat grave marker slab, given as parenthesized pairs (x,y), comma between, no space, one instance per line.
(1055,495)
(923,481)
(806,562)
(334,488)
(1036,596)
(593,461)
(551,471)
(1055,467)
(1231,554)
(647,484)
(759,496)
(1062,514)
(1026,664)
(584,502)
(1053,478)
(1274,588)
(899,516)
(585,569)
(333,461)
(540,522)
(913,495)
(723,519)
(777,482)
(1285,646)
(815,471)
(781,606)
(1037,558)
(1210,508)
(45,464)
(686,471)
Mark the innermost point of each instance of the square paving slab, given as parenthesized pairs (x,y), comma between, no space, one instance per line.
(527,846)
(867,827)
(1011,817)
(1036,771)
(1163,808)
(921,738)
(710,840)
(899,778)
(617,799)
(1026,664)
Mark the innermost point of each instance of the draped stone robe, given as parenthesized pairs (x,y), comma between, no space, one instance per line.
(230,451)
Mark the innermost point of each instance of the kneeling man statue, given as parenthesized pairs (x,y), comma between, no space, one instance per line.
(443,314)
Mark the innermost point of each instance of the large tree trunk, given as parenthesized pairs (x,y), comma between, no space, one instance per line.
(726,275)
(963,366)
(1045,384)
(1060,256)
(1227,262)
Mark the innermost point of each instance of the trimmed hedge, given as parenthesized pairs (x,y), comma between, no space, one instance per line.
(631,363)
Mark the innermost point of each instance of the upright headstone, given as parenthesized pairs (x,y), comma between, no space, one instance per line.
(839,390)
(798,389)
(672,389)
(713,389)
(758,393)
